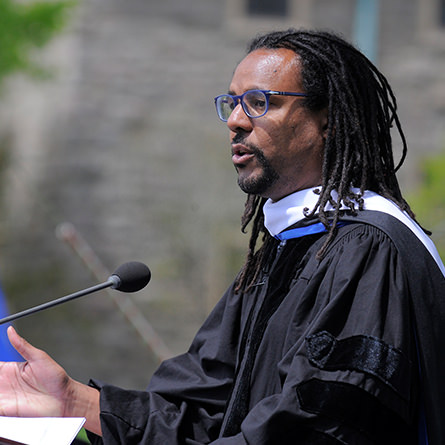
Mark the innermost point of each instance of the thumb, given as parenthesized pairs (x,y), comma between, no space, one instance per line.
(25,349)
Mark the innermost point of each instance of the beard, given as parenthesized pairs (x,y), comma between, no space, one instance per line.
(259,184)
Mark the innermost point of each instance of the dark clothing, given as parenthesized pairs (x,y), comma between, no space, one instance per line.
(316,353)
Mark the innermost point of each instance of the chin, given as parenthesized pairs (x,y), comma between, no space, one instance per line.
(260,185)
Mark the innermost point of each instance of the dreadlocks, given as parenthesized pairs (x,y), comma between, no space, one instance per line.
(358,148)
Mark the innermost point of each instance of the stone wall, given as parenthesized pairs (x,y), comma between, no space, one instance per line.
(124,143)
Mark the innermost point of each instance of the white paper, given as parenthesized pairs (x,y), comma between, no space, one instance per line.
(41,430)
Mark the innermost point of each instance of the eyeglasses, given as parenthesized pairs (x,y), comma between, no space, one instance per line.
(255,103)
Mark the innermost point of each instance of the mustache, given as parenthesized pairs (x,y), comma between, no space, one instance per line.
(240,138)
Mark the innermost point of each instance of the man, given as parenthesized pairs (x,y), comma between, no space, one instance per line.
(332,333)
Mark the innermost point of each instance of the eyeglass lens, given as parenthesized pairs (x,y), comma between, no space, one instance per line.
(254,104)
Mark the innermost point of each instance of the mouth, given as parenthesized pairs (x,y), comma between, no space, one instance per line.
(241,155)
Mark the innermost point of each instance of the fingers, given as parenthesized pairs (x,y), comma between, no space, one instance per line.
(25,349)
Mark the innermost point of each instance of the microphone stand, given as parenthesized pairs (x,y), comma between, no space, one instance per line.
(112,281)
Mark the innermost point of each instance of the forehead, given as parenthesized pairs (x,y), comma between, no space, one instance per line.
(270,69)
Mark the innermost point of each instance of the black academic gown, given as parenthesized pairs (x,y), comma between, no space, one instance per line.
(322,352)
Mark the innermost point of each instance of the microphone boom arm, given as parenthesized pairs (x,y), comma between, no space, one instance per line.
(113,281)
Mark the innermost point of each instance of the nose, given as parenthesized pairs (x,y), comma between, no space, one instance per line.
(239,119)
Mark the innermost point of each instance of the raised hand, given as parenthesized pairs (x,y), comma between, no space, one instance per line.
(40,387)
(34,388)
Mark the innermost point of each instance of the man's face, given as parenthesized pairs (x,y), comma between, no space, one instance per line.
(282,151)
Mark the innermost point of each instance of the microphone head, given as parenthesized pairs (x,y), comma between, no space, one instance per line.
(131,277)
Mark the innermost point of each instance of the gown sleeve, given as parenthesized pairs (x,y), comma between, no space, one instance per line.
(346,372)
(185,399)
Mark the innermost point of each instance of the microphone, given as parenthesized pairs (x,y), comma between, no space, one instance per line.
(129,277)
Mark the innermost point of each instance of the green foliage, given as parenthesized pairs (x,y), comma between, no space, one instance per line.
(25,27)
(82,436)
(429,201)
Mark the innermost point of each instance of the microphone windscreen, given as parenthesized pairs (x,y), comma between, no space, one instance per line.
(133,276)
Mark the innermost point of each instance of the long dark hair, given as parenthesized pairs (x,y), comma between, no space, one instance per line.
(358,148)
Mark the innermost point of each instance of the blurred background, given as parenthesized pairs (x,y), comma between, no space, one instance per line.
(110,150)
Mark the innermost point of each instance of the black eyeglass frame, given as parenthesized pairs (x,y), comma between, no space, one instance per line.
(240,98)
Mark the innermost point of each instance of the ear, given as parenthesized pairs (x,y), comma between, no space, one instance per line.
(323,116)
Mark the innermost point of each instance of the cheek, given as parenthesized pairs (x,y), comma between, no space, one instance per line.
(302,144)
(277,138)
(278,144)
(307,135)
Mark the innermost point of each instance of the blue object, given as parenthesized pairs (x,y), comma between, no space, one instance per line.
(7,352)
(255,103)
(304,231)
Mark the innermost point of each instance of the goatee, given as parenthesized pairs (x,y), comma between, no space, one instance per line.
(260,184)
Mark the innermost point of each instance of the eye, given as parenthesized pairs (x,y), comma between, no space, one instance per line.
(230,103)
(227,102)
(259,103)
(256,100)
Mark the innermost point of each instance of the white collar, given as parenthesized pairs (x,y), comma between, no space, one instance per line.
(279,215)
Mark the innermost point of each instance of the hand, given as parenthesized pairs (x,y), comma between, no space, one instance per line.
(40,387)
(35,388)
